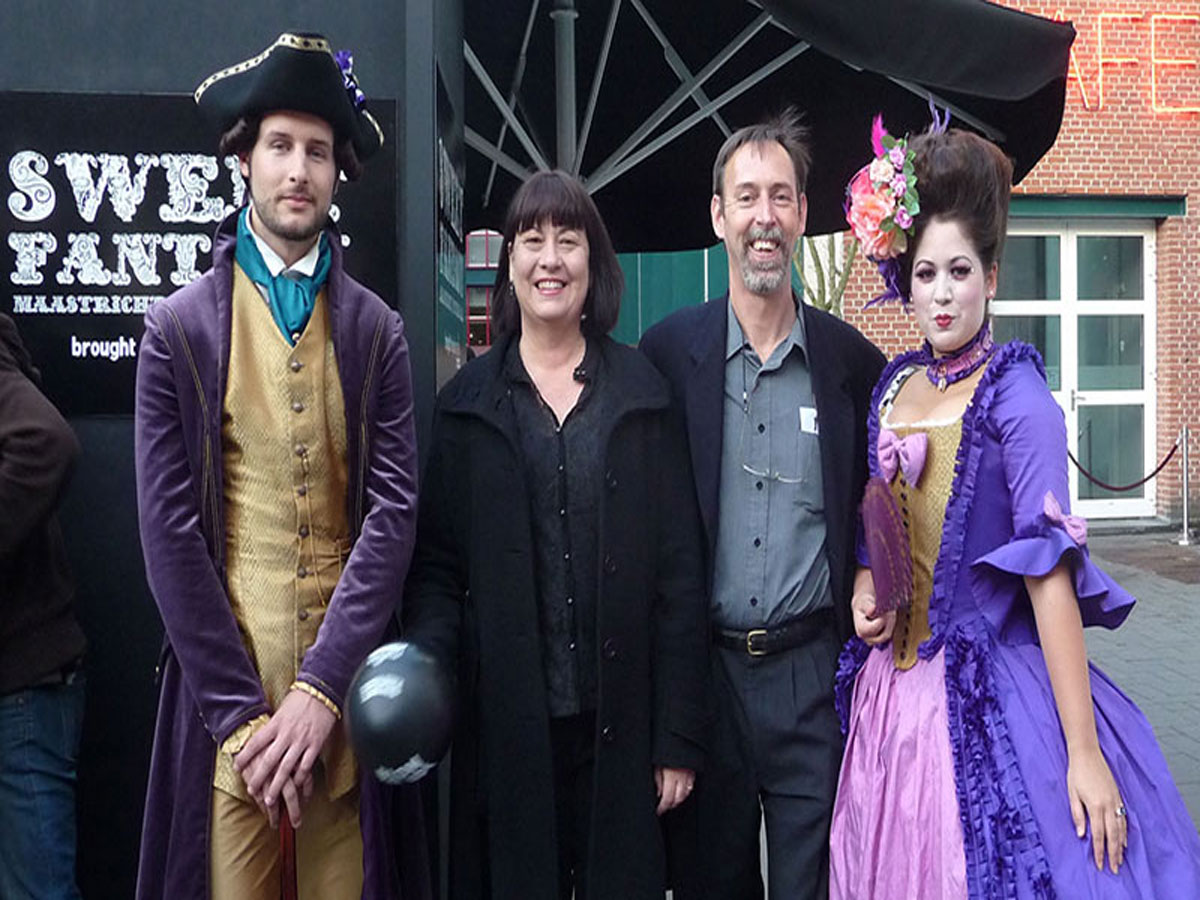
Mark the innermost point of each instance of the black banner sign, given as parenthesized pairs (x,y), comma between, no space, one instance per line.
(110,203)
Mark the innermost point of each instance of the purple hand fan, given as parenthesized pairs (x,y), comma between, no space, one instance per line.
(887,546)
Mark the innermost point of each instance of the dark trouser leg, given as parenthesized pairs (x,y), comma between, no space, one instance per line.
(799,751)
(573,745)
(39,752)
(776,743)
(714,846)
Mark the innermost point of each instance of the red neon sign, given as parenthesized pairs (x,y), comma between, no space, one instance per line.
(1156,61)
(1162,27)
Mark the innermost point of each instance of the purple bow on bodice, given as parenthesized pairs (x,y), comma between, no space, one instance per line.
(904,453)
(1075,526)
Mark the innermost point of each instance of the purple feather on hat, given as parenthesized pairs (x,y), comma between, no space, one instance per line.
(345,61)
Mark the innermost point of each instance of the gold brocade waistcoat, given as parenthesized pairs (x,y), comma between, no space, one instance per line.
(923,507)
(283,443)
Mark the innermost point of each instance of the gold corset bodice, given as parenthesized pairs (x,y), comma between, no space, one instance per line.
(923,508)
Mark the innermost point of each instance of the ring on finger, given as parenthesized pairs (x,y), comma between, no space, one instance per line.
(1121,811)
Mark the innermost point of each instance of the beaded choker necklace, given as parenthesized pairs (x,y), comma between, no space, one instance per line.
(943,371)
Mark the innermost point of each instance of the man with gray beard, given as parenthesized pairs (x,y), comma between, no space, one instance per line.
(775,395)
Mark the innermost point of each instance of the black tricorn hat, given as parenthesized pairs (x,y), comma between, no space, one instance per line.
(298,72)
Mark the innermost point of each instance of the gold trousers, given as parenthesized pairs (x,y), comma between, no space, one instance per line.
(245,864)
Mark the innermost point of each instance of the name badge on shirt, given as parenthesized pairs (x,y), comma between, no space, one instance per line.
(808,420)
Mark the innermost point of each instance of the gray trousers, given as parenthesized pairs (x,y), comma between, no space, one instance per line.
(776,749)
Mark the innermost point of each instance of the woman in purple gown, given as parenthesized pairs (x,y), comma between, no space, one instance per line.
(985,757)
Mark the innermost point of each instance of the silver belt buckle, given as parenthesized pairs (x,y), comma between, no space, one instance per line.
(750,641)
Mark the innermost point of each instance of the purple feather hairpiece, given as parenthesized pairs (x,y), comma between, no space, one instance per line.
(941,121)
(889,271)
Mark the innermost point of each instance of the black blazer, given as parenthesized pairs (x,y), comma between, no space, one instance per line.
(688,347)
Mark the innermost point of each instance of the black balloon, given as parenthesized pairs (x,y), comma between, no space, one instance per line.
(400,713)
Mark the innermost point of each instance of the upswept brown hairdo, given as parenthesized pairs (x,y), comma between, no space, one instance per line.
(558,197)
(785,129)
(963,178)
(241,137)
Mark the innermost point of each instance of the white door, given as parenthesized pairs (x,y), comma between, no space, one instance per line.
(1083,293)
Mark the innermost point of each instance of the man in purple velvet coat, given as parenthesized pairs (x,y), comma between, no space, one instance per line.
(276,475)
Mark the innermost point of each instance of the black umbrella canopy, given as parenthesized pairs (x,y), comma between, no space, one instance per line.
(674,79)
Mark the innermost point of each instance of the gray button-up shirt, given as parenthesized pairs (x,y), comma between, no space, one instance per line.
(770,564)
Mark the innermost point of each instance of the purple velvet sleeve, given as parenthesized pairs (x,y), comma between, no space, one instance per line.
(1032,437)
(186,586)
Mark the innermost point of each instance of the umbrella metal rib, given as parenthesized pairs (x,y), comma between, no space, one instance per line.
(518,76)
(477,141)
(494,95)
(672,103)
(597,80)
(675,61)
(598,180)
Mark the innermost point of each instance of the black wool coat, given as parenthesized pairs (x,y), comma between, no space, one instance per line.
(471,600)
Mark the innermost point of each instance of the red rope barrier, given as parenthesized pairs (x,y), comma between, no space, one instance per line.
(1127,487)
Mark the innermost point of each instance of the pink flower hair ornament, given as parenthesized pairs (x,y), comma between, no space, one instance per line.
(881,202)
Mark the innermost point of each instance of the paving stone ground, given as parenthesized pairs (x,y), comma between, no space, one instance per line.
(1155,655)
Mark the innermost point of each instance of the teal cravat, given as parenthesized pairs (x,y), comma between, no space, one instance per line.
(290,297)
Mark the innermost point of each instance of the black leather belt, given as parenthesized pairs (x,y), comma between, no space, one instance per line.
(765,641)
(65,675)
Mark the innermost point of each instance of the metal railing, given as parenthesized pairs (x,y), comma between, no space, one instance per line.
(1185,539)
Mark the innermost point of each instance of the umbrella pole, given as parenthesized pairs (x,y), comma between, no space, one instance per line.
(564,15)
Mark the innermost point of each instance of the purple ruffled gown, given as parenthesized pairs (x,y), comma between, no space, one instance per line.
(954,779)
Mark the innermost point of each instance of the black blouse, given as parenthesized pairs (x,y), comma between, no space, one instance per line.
(564,469)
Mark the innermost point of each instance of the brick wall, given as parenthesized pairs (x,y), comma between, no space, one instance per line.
(1114,141)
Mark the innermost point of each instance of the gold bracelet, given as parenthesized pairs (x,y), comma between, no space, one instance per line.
(313,692)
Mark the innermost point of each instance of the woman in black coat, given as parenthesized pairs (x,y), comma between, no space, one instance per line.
(558,571)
